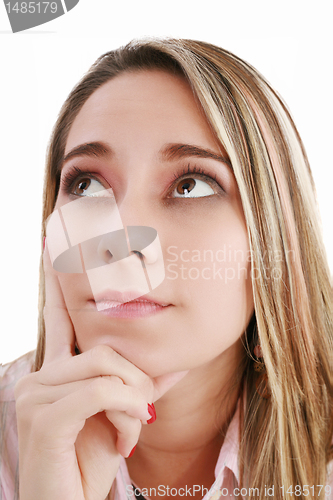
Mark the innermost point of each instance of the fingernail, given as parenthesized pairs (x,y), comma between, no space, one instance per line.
(44,243)
(152,413)
(132,452)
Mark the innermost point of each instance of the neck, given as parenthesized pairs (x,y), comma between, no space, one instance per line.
(192,419)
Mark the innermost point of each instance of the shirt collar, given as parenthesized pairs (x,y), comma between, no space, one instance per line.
(228,456)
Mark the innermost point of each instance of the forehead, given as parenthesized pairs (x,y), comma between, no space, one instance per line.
(137,100)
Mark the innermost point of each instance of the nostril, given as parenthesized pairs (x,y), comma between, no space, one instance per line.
(140,255)
(108,255)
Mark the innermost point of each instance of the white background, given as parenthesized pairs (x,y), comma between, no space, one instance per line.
(289,41)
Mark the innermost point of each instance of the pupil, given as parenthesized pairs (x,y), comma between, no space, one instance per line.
(187,185)
(83,185)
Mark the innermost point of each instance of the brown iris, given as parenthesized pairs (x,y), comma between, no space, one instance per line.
(185,184)
(82,186)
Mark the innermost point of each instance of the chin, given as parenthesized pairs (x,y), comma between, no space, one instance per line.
(149,364)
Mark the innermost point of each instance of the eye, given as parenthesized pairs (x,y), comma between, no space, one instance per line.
(79,183)
(192,188)
(87,187)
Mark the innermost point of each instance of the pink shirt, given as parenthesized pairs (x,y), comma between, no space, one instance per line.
(226,470)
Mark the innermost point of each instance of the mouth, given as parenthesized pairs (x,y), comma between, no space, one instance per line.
(122,305)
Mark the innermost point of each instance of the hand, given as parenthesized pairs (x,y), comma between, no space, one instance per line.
(78,414)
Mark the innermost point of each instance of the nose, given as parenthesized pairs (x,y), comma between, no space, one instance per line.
(136,259)
(137,240)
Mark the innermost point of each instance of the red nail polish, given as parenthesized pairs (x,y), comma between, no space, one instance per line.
(132,452)
(152,412)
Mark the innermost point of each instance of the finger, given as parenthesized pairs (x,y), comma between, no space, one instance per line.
(45,394)
(100,360)
(60,338)
(164,382)
(128,431)
(66,417)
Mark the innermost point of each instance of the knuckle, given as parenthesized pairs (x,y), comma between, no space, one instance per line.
(132,430)
(98,389)
(26,394)
(22,385)
(21,409)
(100,355)
(103,359)
(23,401)
(30,417)
(114,379)
(144,384)
(147,387)
(18,389)
(136,398)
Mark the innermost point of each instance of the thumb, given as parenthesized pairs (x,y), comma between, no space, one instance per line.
(164,382)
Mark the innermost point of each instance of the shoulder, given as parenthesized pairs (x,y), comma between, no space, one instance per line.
(11,372)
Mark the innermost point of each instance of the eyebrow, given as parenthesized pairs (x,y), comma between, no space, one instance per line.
(169,152)
(177,151)
(90,149)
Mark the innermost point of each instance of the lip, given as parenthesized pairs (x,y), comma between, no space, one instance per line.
(129,304)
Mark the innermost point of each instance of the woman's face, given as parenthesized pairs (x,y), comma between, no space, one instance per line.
(157,137)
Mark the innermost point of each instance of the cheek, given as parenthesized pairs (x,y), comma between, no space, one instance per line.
(212,255)
(212,275)
(76,290)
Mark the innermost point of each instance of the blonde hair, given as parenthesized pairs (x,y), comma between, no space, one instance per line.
(285,439)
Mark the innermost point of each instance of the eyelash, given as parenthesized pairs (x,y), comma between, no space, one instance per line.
(73,175)
(194,170)
(68,179)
